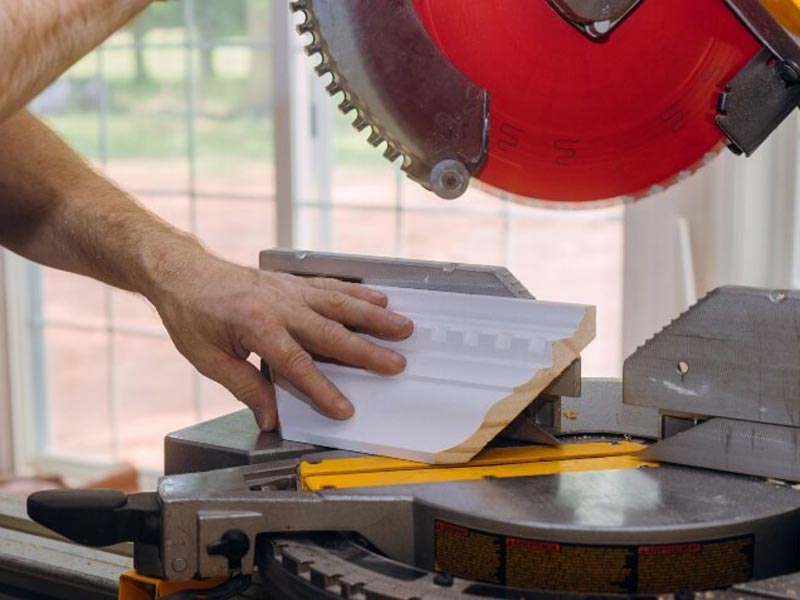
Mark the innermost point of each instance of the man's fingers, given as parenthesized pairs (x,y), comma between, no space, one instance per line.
(332,340)
(357,314)
(287,358)
(351,289)
(247,383)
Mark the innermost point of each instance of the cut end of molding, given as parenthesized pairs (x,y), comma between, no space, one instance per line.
(564,352)
(474,364)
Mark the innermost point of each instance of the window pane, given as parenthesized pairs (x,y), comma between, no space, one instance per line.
(145,124)
(360,173)
(455,237)
(576,257)
(236,229)
(78,403)
(132,312)
(155,394)
(354,231)
(233,21)
(233,128)
(68,298)
(216,400)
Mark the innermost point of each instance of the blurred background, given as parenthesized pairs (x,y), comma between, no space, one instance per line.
(208,112)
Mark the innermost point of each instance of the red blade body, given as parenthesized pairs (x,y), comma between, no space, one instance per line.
(577,119)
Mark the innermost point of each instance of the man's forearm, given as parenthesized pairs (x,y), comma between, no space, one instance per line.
(55,209)
(39,40)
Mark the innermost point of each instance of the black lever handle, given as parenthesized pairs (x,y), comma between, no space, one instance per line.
(98,517)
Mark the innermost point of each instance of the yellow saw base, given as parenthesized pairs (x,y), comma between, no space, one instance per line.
(529,461)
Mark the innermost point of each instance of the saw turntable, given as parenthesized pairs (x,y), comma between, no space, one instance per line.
(676,479)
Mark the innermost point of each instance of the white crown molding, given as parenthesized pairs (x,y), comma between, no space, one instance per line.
(474,363)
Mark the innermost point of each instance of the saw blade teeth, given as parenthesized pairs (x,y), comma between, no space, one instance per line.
(346,105)
(333,88)
(306,27)
(312,49)
(338,84)
(391,153)
(375,138)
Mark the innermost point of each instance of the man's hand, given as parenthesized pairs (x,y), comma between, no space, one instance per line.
(219,313)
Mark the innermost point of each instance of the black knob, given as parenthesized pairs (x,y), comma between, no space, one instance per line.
(443,579)
(233,545)
(98,517)
(789,71)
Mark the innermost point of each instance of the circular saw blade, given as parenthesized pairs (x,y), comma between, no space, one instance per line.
(577,119)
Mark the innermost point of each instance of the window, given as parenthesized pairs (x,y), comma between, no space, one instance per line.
(190,108)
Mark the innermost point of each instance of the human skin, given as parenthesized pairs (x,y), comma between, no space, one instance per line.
(39,40)
(57,210)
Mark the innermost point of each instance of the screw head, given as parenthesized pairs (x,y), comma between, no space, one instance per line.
(449,179)
(598,28)
(179,564)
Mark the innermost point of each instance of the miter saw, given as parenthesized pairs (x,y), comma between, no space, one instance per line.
(677,479)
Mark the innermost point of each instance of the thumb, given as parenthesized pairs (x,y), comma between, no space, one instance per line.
(247,383)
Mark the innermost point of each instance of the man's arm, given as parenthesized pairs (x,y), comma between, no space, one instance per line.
(56,210)
(39,40)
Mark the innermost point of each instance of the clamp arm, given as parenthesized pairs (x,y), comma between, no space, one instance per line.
(98,517)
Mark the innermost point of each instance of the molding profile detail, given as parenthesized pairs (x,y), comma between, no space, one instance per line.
(473,364)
